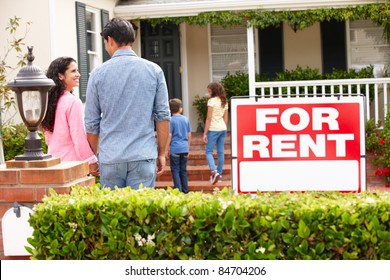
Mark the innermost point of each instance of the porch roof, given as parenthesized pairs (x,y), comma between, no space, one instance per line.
(133,9)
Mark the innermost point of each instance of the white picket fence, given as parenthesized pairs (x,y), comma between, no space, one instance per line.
(376,91)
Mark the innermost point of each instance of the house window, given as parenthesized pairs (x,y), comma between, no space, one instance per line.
(91,53)
(368,46)
(93,39)
(228,50)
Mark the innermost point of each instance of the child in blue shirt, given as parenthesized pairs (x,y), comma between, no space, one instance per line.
(179,139)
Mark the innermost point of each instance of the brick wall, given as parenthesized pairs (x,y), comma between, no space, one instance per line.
(372,179)
(29,182)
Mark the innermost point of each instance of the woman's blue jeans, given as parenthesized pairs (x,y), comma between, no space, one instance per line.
(178,163)
(215,138)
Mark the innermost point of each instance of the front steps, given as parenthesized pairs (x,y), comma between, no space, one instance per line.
(197,168)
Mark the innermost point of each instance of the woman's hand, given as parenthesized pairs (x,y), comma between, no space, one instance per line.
(205,138)
(94,169)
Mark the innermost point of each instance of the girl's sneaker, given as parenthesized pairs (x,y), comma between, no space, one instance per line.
(214,177)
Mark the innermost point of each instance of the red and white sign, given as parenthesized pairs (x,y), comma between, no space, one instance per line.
(298,144)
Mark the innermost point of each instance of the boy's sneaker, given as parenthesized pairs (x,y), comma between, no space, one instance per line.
(214,177)
(220,179)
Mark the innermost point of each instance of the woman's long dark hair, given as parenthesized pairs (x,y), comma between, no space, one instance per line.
(218,90)
(58,66)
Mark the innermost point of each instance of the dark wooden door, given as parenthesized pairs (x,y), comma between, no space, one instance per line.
(161,44)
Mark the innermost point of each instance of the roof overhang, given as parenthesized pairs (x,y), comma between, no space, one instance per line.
(192,8)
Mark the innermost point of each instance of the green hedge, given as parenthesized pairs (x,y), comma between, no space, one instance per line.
(165,224)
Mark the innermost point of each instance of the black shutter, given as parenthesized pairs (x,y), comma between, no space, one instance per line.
(271,50)
(105,19)
(333,46)
(82,60)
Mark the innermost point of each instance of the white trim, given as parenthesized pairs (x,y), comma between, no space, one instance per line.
(251,61)
(209,51)
(137,43)
(184,69)
(193,8)
(348,42)
(95,31)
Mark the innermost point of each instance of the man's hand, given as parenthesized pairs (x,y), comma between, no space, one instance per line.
(94,169)
(160,165)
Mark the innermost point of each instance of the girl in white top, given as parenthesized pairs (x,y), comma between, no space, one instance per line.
(215,129)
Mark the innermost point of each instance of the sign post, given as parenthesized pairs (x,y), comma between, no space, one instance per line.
(298,144)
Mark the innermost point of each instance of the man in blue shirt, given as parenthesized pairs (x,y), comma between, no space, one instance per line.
(127,98)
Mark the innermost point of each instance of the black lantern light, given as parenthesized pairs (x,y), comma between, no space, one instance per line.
(31,87)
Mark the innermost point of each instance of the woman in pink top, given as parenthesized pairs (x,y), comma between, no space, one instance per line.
(64,121)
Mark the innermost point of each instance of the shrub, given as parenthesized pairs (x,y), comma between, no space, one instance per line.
(200,103)
(160,224)
(378,142)
(14,139)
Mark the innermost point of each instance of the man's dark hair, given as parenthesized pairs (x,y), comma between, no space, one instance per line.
(174,105)
(120,30)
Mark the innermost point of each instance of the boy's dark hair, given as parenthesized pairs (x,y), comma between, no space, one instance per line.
(175,105)
(120,30)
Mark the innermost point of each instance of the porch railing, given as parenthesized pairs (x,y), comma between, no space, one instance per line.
(376,90)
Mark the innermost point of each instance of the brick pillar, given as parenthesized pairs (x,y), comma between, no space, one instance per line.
(27,182)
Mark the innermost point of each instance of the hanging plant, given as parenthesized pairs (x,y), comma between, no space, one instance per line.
(379,14)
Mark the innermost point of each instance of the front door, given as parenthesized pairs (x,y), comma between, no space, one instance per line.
(161,45)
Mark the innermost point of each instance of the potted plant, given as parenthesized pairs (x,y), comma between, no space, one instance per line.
(200,103)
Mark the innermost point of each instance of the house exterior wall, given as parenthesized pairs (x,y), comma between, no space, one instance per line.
(52,31)
(302,48)
(39,34)
(53,34)
(53,26)
(198,67)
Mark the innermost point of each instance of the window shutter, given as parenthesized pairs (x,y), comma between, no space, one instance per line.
(271,50)
(105,19)
(81,25)
(333,46)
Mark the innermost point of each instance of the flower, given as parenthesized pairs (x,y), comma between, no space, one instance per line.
(385,171)
(378,143)
(261,249)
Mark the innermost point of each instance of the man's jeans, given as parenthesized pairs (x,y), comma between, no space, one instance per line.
(178,163)
(128,174)
(215,138)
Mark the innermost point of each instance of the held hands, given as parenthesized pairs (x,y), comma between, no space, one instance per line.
(94,169)
(161,161)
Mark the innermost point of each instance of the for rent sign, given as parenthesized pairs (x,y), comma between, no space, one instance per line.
(296,144)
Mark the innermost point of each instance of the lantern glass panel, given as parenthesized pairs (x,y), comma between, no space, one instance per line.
(32,105)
